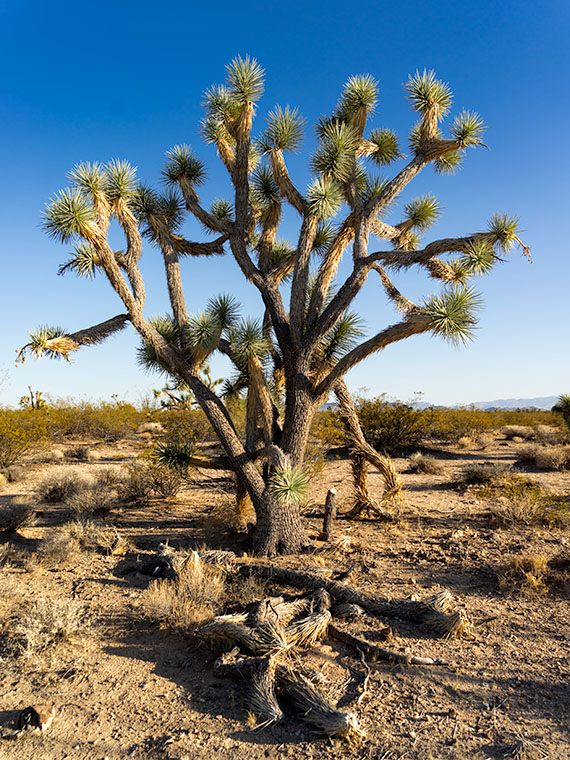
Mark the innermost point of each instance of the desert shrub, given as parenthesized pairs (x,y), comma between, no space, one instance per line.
(62,483)
(48,623)
(485,473)
(452,424)
(545,457)
(15,516)
(518,500)
(189,600)
(89,535)
(547,435)
(327,430)
(151,427)
(424,463)
(524,575)
(391,425)
(110,478)
(185,426)
(109,421)
(79,453)
(91,501)
(518,431)
(20,430)
(147,478)
(13,474)
(58,549)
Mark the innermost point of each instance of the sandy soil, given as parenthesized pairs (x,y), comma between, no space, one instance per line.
(134,690)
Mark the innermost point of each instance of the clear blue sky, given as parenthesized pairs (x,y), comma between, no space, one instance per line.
(92,82)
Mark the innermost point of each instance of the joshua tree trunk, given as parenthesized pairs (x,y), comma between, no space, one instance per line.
(279,529)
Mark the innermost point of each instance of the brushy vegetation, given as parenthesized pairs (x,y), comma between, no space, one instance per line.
(15,516)
(189,600)
(485,473)
(545,457)
(146,478)
(517,500)
(524,575)
(424,463)
(48,623)
(20,431)
(62,483)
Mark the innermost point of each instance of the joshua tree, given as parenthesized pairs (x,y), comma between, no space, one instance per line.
(563,406)
(311,342)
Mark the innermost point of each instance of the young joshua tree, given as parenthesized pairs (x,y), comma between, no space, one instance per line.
(300,350)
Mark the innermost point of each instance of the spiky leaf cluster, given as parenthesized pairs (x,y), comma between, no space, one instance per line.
(83,261)
(67,215)
(387,146)
(147,358)
(120,180)
(468,129)
(264,189)
(428,94)
(225,310)
(174,454)
(152,208)
(245,78)
(360,92)
(479,257)
(289,486)
(324,197)
(183,165)
(334,159)
(284,130)
(422,212)
(341,338)
(39,341)
(449,163)
(202,334)
(452,314)
(222,209)
(248,341)
(88,178)
(504,229)
(324,236)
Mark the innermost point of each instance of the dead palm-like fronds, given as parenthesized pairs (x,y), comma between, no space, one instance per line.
(308,630)
(316,707)
(260,695)
(266,638)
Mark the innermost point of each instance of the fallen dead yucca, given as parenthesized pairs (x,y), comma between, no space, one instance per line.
(306,631)
(260,696)
(315,706)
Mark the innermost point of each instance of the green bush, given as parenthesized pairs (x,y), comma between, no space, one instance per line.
(391,425)
(20,430)
(109,421)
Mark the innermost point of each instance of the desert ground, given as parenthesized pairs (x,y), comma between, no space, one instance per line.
(127,685)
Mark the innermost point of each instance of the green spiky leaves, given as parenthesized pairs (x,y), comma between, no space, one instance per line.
(88,178)
(428,95)
(504,229)
(284,130)
(423,212)
(248,342)
(387,146)
(360,92)
(468,128)
(67,214)
(479,257)
(222,209)
(120,180)
(324,198)
(182,165)
(341,338)
(334,158)
(289,486)
(452,314)
(264,189)
(152,208)
(83,261)
(40,340)
(324,236)
(224,309)
(245,80)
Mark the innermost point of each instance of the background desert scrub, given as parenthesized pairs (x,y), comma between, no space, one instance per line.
(62,483)
(20,430)
(424,463)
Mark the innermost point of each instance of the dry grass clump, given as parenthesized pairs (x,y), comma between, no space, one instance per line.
(90,536)
(58,549)
(524,575)
(545,457)
(242,591)
(15,516)
(80,453)
(518,500)
(48,623)
(547,435)
(151,427)
(147,479)
(424,463)
(62,483)
(92,501)
(518,431)
(13,474)
(190,599)
(485,473)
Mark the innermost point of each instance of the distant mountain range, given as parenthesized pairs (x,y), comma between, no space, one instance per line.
(541,402)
